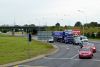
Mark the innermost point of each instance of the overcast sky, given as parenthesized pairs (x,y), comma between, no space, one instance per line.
(49,12)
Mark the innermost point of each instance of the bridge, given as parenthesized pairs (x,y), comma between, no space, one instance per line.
(23,28)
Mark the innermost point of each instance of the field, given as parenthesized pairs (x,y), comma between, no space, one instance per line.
(17,48)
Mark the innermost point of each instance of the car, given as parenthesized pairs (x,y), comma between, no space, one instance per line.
(85,52)
(83,38)
(77,41)
(91,45)
(51,40)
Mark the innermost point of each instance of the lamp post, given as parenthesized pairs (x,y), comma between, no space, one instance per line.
(85,18)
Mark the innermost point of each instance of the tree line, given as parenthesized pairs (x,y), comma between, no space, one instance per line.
(91,24)
(91,30)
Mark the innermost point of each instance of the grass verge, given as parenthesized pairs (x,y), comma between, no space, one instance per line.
(17,48)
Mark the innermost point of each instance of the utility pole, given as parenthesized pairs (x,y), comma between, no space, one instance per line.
(13,30)
(85,18)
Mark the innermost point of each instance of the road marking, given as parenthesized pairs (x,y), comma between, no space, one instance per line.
(67,47)
(27,66)
(61,58)
(95,60)
(57,58)
(74,56)
(70,59)
(16,66)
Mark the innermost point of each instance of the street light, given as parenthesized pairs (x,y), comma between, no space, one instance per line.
(85,18)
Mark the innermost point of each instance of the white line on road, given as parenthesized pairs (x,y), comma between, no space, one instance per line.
(67,47)
(27,66)
(61,58)
(57,58)
(70,59)
(74,56)
(95,60)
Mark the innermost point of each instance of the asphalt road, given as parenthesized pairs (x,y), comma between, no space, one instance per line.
(67,56)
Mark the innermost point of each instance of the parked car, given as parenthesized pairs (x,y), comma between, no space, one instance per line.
(91,45)
(85,52)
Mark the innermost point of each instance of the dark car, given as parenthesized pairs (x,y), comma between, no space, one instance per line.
(91,45)
(85,52)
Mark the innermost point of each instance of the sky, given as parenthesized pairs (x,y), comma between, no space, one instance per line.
(49,12)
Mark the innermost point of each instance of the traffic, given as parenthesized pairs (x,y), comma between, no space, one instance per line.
(86,49)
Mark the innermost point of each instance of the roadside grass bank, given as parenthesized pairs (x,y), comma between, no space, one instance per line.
(17,48)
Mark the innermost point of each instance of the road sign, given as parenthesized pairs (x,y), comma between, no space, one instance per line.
(44,35)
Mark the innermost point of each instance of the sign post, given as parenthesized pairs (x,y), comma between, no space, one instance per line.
(29,43)
(29,37)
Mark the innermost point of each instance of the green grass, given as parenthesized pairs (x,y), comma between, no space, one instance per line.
(16,48)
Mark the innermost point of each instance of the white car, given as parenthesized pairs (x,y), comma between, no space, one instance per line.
(83,38)
(51,40)
(77,41)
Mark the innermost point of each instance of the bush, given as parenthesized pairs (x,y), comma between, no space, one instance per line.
(4,31)
(92,35)
(88,35)
(98,35)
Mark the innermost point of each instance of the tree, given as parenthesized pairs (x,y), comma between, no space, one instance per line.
(98,25)
(98,35)
(93,24)
(65,27)
(57,25)
(78,24)
(87,25)
(25,25)
(92,35)
(31,25)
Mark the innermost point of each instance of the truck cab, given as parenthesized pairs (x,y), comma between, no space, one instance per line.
(68,37)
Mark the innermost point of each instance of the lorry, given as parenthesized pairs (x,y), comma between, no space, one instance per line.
(68,36)
(58,36)
(63,36)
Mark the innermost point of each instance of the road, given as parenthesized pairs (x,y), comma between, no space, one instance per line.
(67,56)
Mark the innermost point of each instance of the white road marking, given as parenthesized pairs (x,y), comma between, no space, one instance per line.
(67,47)
(27,66)
(70,59)
(57,58)
(95,60)
(74,56)
(61,58)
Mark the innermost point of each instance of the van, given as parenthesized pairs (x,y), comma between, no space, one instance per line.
(83,38)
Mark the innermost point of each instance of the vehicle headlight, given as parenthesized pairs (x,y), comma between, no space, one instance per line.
(94,48)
